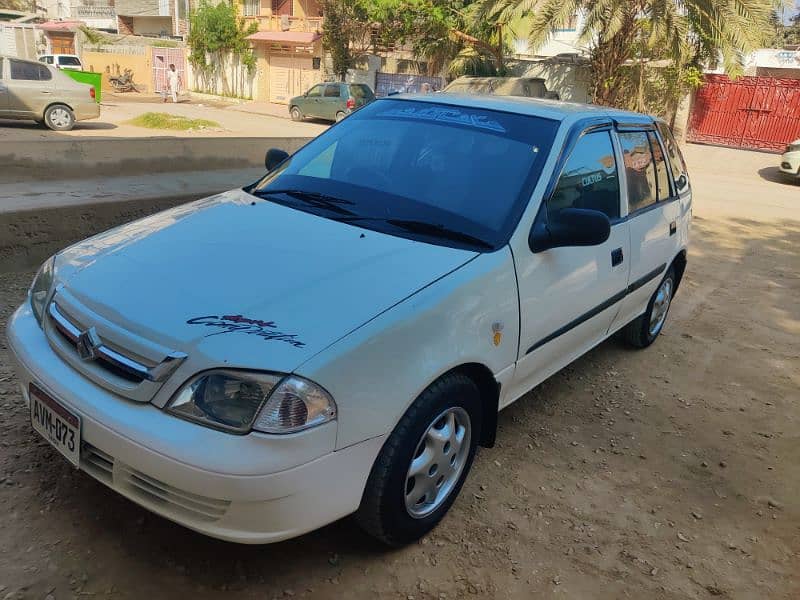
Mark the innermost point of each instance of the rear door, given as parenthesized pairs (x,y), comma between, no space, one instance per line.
(332,101)
(30,88)
(653,212)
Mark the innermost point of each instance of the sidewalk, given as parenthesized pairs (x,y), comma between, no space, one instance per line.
(261,108)
(17,197)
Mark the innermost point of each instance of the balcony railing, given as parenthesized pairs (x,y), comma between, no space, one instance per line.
(286,23)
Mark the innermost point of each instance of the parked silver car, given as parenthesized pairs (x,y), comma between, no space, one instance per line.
(36,91)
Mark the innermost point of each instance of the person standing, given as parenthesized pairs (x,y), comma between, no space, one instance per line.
(173,83)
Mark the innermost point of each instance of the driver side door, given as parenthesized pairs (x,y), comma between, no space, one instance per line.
(312,105)
(569,296)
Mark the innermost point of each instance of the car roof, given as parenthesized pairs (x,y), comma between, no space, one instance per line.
(556,110)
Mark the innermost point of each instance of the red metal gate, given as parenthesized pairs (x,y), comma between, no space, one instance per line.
(761,113)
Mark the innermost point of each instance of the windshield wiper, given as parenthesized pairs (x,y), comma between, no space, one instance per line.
(424,228)
(313,198)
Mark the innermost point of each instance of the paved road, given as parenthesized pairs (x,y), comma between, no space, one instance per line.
(115,113)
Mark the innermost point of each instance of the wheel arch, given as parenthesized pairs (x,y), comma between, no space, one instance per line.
(489,389)
(56,103)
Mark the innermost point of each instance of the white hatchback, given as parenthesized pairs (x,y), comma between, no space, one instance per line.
(339,337)
(790,161)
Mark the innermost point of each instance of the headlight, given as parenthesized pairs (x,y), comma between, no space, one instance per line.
(40,288)
(239,401)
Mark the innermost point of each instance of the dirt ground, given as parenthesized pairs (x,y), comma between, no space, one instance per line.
(117,110)
(672,472)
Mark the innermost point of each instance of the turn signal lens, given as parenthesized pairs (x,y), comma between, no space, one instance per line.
(296,404)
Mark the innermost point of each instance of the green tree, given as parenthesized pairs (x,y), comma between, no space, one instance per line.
(346,32)
(219,46)
(446,33)
(786,35)
(626,35)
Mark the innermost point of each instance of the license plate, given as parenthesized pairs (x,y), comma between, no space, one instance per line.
(58,425)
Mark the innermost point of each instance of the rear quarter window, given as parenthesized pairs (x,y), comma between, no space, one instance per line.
(69,61)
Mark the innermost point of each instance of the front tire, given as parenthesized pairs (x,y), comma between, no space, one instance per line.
(59,117)
(296,114)
(422,466)
(643,331)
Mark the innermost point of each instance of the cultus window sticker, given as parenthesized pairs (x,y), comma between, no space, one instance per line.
(240,324)
(445,115)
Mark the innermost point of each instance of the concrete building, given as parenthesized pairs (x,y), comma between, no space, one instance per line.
(154,18)
(288,46)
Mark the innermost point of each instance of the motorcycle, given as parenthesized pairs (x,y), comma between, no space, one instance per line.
(124,82)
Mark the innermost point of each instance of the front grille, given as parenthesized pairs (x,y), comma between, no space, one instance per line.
(149,491)
(107,364)
(110,356)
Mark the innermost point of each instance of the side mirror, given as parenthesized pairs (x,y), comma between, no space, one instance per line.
(570,227)
(274,157)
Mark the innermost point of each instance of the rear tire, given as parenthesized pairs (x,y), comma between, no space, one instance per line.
(59,117)
(296,114)
(339,116)
(644,330)
(424,462)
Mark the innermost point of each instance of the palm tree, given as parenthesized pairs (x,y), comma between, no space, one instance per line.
(625,32)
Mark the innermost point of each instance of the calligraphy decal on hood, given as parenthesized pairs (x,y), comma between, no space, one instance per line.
(240,324)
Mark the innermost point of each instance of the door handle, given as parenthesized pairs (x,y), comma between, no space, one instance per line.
(46,92)
(673,228)
(616,257)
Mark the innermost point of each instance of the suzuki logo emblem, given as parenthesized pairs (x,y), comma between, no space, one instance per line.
(88,344)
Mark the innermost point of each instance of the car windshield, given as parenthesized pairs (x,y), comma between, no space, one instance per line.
(450,175)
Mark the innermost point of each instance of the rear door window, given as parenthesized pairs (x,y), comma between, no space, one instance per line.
(28,71)
(589,179)
(333,91)
(640,172)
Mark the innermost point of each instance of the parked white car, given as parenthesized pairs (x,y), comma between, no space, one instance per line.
(63,61)
(338,337)
(790,161)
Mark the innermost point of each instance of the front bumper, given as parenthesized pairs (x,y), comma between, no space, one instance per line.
(249,489)
(790,163)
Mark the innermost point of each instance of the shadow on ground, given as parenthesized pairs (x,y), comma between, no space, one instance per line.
(775,175)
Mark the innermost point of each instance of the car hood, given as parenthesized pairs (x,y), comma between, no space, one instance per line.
(237,281)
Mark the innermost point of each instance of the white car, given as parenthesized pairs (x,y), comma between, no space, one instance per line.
(338,337)
(790,161)
(63,61)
